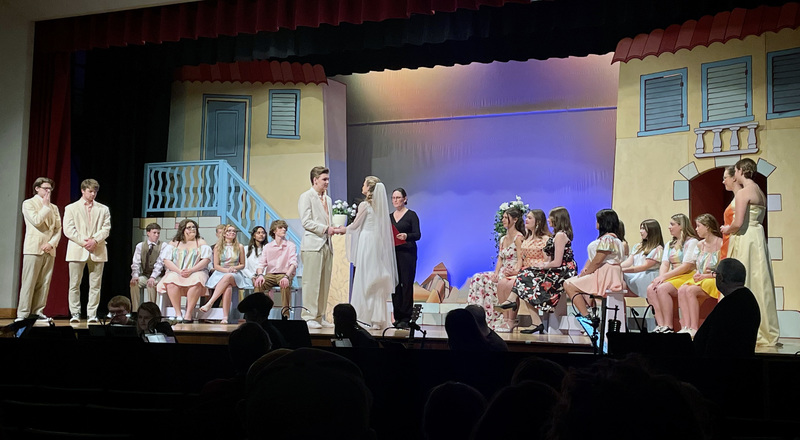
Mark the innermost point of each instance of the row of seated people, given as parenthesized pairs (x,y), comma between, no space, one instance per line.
(538,266)
(187,268)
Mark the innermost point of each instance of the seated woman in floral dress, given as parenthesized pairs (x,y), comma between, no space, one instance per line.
(487,289)
(541,285)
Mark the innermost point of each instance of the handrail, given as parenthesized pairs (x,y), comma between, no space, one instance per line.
(206,185)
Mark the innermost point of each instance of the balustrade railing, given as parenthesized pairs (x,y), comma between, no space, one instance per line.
(733,147)
(206,185)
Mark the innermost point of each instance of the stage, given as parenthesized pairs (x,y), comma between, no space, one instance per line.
(213,333)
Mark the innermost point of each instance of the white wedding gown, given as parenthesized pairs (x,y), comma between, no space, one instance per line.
(371,250)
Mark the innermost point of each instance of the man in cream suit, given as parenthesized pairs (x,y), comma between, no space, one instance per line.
(87,224)
(42,234)
(316,249)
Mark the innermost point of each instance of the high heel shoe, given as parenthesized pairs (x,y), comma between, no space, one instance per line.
(507,305)
(529,331)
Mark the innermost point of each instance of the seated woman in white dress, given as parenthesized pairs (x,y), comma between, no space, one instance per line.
(641,267)
(258,238)
(370,247)
(228,262)
(186,259)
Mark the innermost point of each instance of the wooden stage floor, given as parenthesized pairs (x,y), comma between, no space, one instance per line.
(435,338)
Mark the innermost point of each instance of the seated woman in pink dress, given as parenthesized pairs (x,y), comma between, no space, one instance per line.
(677,267)
(703,285)
(603,272)
(186,259)
(487,289)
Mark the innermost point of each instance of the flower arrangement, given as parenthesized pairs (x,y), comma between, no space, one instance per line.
(340,207)
(499,230)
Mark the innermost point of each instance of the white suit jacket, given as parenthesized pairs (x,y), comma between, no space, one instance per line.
(42,225)
(315,221)
(78,230)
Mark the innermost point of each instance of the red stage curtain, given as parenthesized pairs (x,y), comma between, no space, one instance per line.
(49,152)
(229,17)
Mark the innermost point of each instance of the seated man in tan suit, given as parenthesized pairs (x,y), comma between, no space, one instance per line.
(87,224)
(42,234)
(147,266)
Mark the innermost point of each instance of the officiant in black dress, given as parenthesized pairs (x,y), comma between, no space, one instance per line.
(406,225)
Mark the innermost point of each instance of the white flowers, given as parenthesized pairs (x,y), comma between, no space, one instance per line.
(514,204)
(340,207)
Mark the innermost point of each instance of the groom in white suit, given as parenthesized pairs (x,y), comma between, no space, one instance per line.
(87,224)
(316,250)
(42,234)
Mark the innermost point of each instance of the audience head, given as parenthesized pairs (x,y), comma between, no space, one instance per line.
(258,237)
(119,309)
(709,223)
(344,320)
(730,275)
(451,411)
(187,230)
(609,388)
(147,317)
(536,224)
(652,238)
(463,333)
(255,307)
(747,167)
(539,369)
(559,221)
(530,401)
(680,227)
(277,224)
(607,222)
(480,318)
(41,181)
(304,383)
(513,219)
(153,232)
(246,344)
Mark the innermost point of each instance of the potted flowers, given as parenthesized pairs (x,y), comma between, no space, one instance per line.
(342,212)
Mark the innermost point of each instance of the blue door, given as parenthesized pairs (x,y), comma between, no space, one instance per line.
(226,132)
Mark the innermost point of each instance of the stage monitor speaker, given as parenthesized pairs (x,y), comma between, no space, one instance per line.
(114,331)
(294,331)
(659,344)
(60,333)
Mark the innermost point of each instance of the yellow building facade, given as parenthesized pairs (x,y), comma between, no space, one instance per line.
(653,171)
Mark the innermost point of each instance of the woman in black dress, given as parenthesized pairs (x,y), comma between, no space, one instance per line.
(407,224)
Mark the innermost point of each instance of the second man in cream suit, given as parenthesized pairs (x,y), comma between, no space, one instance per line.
(87,224)
(316,250)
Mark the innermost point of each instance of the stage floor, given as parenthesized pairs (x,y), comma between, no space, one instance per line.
(435,338)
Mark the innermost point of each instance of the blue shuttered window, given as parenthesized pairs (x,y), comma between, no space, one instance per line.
(663,103)
(727,92)
(783,84)
(284,114)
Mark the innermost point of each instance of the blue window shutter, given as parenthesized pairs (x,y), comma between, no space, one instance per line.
(284,114)
(727,92)
(663,102)
(785,81)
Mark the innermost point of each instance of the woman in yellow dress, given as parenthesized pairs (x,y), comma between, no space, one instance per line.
(703,285)
(748,244)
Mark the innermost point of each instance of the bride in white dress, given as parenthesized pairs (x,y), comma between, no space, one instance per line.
(370,247)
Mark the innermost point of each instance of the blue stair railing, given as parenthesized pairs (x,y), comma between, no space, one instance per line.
(206,185)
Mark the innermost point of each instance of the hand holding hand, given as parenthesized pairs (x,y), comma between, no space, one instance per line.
(46,248)
(185,273)
(402,236)
(90,244)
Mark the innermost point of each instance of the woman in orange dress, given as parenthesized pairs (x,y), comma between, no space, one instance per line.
(733,186)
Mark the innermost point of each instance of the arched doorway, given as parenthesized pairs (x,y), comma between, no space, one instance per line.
(708,195)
